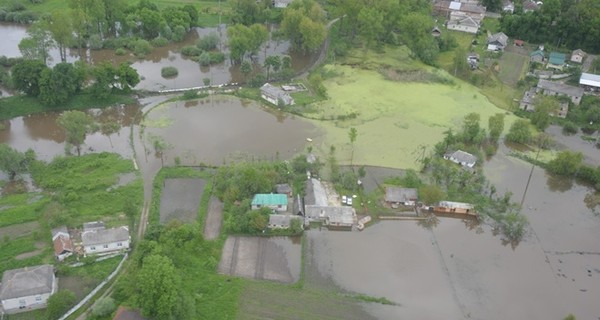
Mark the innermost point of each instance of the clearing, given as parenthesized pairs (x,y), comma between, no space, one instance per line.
(511,66)
(180,199)
(214,219)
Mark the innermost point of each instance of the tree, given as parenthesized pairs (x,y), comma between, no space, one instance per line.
(272,62)
(104,307)
(157,287)
(151,21)
(544,106)
(246,68)
(352,135)
(127,77)
(77,125)
(61,29)
(59,303)
(566,163)
(160,145)
(461,67)
(109,127)
(60,83)
(39,42)
(371,27)
(14,162)
(303,23)
(471,127)
(431,194)
(519,132)
(26,75)
(496,126)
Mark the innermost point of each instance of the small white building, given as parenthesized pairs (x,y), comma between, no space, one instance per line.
(103,241)
(276,95)
(27,288)
(465,159)
(590,81)
(63,244)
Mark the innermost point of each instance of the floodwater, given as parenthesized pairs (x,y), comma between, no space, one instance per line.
(41,133)
(191,74)
(575,143)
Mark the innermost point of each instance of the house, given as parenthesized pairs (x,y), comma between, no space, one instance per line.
(283,189)
(466,24)
(465,159)
(530,5)
(274,201)
(276,95)
(127,314)
(333,217)
(103,241)
(550,88)
(528,101)
(471,9)
(450,207)
(537,56)
(590,81)
(556,60)
(578,55)
(508,6)
(281,4)
(282,221)
(436,32)
(395,196)
(63,245)
(497,41)
(27,288)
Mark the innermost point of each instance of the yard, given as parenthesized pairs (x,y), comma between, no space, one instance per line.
(180,199)
(512,67)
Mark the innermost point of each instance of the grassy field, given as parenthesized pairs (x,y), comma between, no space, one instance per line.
(394,120)
(20,208)
(512,67)
(10,250)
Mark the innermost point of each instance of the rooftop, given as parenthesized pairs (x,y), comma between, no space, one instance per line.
(589,79)
(104,236)
(315,193)
(60,231)
(27,281)
(282,219)
(335,215)
(462,156)
(560,88)
(399,194)
(283,188)
(468,21)
(537,53)
(499,37)
(94,225)
(270,199)
(557,58)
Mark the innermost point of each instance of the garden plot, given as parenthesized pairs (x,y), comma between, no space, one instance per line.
(180,199)
(275,258)
(214,219)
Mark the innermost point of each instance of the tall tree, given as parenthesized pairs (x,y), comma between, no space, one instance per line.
(61,28)
(519,132)
(157,286)
(38,42)
(303,23)
(471,127)
(60,83)
(544,106)
(496,126)
(109,127)
(76,125)
(352,135)
(566,163)
(14,162)
(26,75)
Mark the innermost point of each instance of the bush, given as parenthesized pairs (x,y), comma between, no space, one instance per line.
(208,42)
(104,307)
(569,128)
(95,42)
(178,33)
(204,59)
(114,43)
(190,94)
(258,80)
(190,51)
(59,303)
(160,42)
(141,47)
(169,72)
(120,52)
(216,57)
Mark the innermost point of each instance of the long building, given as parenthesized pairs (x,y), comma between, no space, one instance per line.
(590,81)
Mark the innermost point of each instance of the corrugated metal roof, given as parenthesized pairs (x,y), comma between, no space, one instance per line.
(557,58)
(270,199)
(589,79)
(454,5)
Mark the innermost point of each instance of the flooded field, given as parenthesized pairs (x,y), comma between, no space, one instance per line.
(180,199)
(575,143)
(220,129)
(41,133)
(274,258)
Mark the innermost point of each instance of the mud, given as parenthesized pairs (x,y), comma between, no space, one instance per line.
(180,199)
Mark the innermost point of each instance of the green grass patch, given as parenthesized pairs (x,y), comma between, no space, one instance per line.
(366,298)
(96,270)
(512,66)
(19,208)
(17,106)
(30,315)
(203,208)
(13,248)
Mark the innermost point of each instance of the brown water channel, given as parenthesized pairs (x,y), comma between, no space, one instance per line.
(191,74)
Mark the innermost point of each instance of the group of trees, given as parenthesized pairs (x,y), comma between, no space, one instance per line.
(13,162)
(304,24)
(572,24)
(245,40)
(54,86)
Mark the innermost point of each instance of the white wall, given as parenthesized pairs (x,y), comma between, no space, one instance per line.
(110,247)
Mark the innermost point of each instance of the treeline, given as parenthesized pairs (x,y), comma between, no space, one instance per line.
(561,23)
(389,22)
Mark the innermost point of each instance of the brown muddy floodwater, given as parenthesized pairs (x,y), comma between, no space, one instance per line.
(220,129)
(41,133)
(191,74)
(574,142)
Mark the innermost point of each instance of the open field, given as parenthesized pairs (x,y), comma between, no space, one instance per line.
(17,230)
(394,120)
(20,208)
(180,199)
(275,258)
(512,66)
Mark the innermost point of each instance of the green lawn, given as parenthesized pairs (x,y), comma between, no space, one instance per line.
(19,208)
(9,250)
(512,67)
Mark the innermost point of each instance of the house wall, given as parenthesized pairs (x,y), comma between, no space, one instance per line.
(29,303)
(467,29)
(108,247)
(269,98)
(273,207)
(63,256)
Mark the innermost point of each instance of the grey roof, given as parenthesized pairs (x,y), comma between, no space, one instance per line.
(589,79)
(529,96)
(105,236)
(58,231)
(462,157)
(276,93)
(94,225)
(399,194)
(315,193)
(473,8)
(560,88)
(334,214)
(27,281)
(283,188)
(468,21)
(499,38)
(578,52)
(282,219)
(454,5)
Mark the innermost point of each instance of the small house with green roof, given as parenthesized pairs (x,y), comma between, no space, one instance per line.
(556,60)
(537,56)
(275,201)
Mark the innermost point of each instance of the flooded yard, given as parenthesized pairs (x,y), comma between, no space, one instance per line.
(180,199)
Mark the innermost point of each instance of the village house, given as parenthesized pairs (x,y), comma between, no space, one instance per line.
(27,288)
(497,42)
(104,241)
(316,208)
(550,88)
(273,201)
(395,196)
(281,4)
(537,56)
(284,188)
(93,226)
(282,221)
(590,82)
(530,5)
(450,207)
(556,60)
(465,24)
(578,55)
(63,244)
(470,8)
(276,95)
(508,6)
(465,159)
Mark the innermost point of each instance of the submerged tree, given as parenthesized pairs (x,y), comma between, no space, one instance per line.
(77,125)
(14,162)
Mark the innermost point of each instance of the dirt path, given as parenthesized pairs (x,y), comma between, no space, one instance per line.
(29,254)
(214,219)
(587,64)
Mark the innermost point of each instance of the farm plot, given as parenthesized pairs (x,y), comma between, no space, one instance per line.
(214,218)
(180,199)
(276,258)
(511,67)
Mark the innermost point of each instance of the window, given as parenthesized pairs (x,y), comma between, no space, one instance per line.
(105,246)
(22,303)
(92,248)
(279,206)
(38,298)
(119,244)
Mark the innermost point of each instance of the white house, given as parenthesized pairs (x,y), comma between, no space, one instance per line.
(27,288)
(102,241)
(276,95)
(63,245)
(578,55)
(465,159)
(464,24)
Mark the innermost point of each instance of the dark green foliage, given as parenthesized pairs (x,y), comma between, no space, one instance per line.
(566,163)
(569,128)
(519,132)
(191,51)
(157,288)
(26,75)
(169,72)
(60,83)
(496,126)
(13,162)
(59,303)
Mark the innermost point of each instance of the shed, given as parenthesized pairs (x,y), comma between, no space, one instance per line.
(283,188)
(578,55)
(275,201)
(63,244)
(590,81)
(106,240)
(537,56)
(398,195)
(499,40)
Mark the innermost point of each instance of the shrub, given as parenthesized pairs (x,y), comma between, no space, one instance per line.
(120,52)
(114,43)
(95,42)
(169,72)
(141,47)
(570,128)
(190,94)
(258,80)
(208,42)
(216,57)
(204,59)
(190,51)
(178,33)
(104,307)
(160,42)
